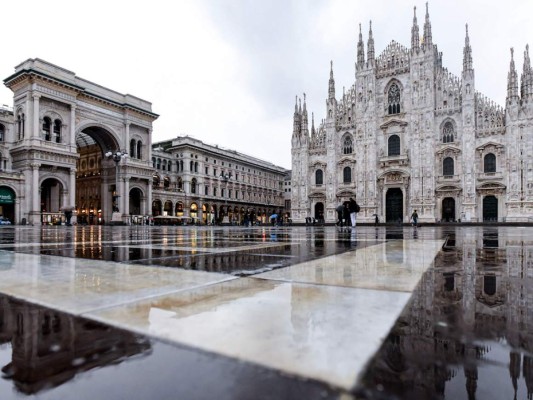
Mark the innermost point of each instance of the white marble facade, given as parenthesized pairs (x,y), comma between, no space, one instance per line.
(409,135)
(54,114)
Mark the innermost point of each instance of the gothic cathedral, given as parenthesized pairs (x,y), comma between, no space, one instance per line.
(409,135)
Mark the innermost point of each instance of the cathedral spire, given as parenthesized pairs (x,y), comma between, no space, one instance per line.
(305,129)
(428,41)
(370,45)
(467,53)
(313,132)
(415,34)
(360,50)
(296,127)
(512,81)
(526,87)
(331,89)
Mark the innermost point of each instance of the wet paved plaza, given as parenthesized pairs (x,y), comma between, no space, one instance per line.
(266,312)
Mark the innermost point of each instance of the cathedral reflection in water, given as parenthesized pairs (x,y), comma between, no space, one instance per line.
(468,330)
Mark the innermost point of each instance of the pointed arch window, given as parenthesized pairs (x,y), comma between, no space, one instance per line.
(319,177)
(394,145)
(347,175)
(448,133)
(447,167)
(394,97)
(489,163)
(347,146)
(57,130)
(47,126)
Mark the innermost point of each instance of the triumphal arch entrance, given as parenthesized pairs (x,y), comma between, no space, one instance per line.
(82,148)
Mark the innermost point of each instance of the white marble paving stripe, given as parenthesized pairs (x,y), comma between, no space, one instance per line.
(395,265)
(323,331)
(79,285)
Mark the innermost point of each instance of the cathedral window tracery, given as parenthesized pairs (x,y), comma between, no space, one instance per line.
(394,99)
(394,145)
(489,163)
(448,133)
(347,147)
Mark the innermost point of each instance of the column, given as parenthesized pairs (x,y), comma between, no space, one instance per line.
(73,126)
(148,210)
(36,124)
(72,189)
(36,194)
(126,197)
(127,140)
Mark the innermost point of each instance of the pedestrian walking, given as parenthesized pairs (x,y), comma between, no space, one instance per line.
(340,211)
(354,209)
(414,218)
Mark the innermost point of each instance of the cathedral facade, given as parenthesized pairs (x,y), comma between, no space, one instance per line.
(409,135)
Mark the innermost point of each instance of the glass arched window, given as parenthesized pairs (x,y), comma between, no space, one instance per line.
(181,165)
(319,177)
(132,148)
(394,99)
(447,166)
(153,162)
(166,182)
(57,131)
(191,165)
(347,147)
(447,133)
(164,165)
(489,163)
(196,166)
(346,175)
(156,180)
(139,150)
(2,133)
(193,186)
(394,145)
(47,125)
(158,163)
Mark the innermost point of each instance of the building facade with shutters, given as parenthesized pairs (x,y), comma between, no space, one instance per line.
(409,135)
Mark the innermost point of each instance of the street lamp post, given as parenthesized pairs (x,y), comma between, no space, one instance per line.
(116,156)
(226,177)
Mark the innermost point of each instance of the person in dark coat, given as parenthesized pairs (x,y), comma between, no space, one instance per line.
(346,214)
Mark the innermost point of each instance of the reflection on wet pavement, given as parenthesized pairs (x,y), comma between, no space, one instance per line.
(266,313)
(467,332)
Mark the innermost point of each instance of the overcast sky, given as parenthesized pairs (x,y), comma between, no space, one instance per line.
(227,71)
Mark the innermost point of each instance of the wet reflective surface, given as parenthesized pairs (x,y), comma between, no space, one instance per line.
(266,313)
(467,332)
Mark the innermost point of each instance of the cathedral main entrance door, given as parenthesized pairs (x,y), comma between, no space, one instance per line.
(490,208)
(394,205)
(448,209)
(319,212)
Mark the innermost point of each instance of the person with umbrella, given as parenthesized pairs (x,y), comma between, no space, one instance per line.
(340,211)
(273,218)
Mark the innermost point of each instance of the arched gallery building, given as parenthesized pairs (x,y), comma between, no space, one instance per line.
(57,145)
